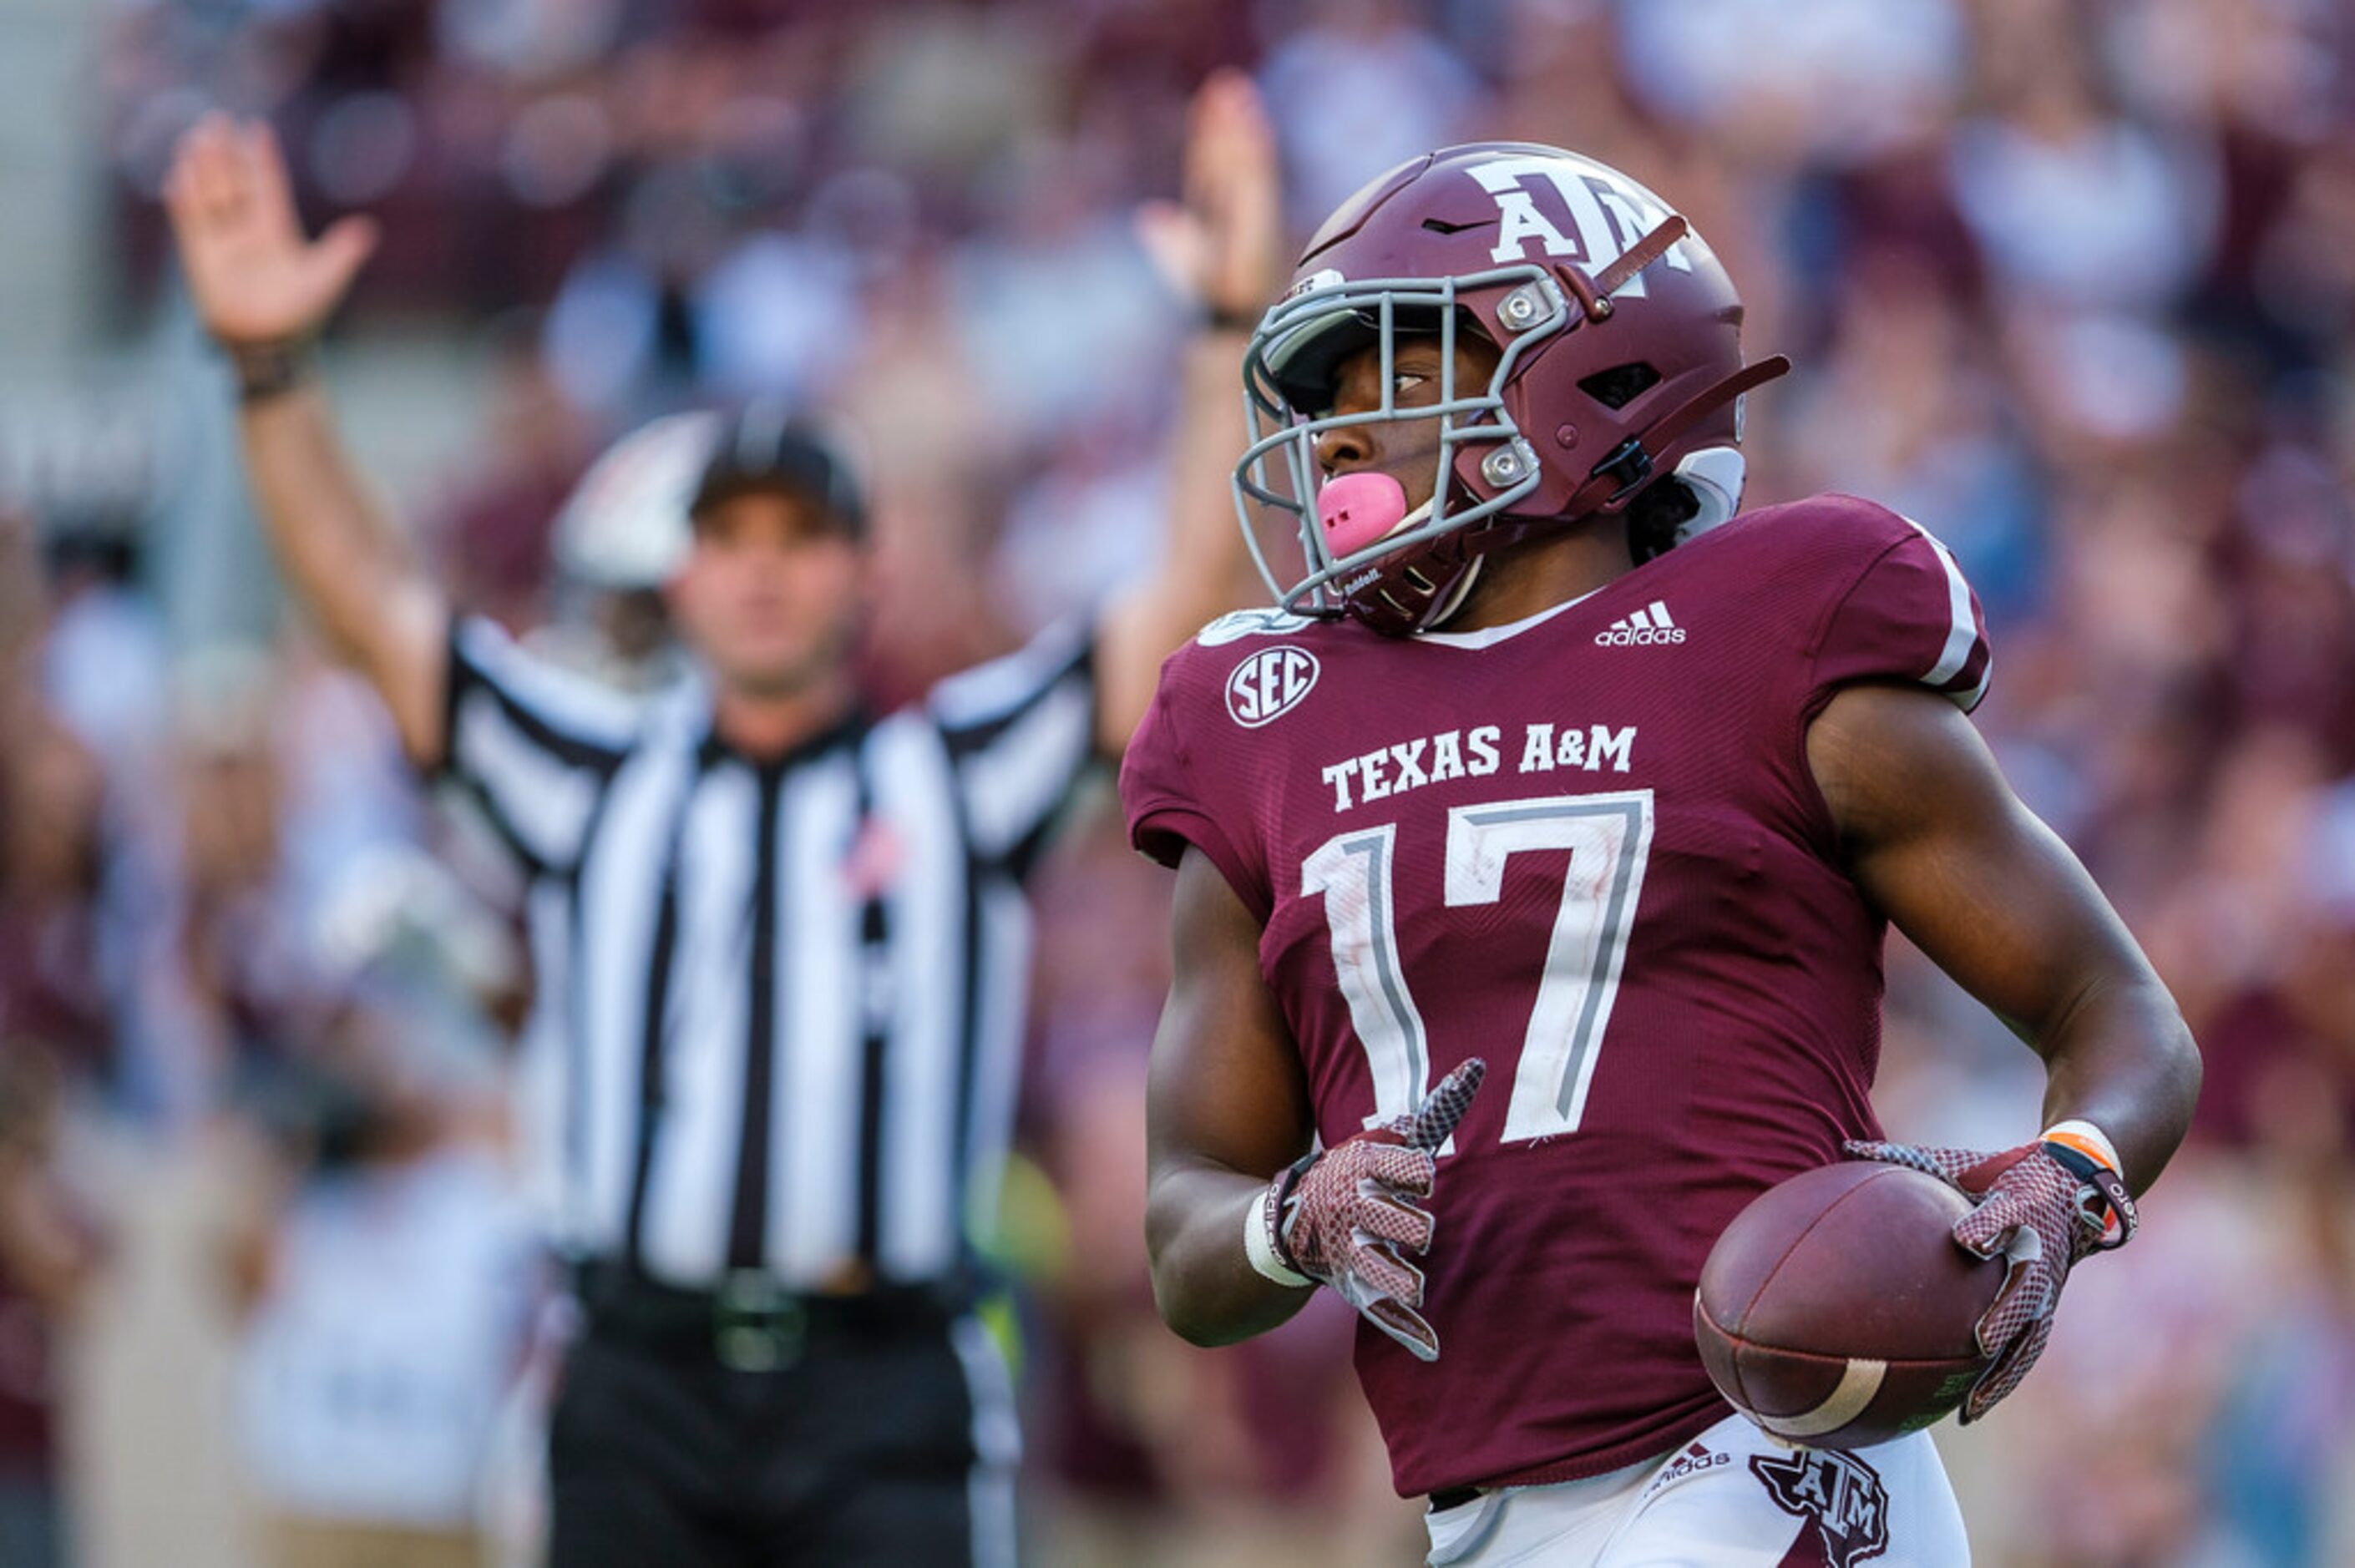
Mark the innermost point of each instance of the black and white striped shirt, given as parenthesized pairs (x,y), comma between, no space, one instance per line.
(786,998)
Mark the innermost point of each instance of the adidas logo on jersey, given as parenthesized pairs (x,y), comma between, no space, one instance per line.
(1648,625)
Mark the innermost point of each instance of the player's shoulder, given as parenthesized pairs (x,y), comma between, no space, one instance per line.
(1801,551)
(1815,532)
(1238,632)
(1880,596)
(1256,661)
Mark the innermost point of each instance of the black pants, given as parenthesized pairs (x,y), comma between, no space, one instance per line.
(863,1451)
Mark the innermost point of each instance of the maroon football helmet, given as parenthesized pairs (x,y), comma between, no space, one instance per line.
(1620,366)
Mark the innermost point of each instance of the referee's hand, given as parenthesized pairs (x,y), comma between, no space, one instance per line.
(254,278)
(1223,245)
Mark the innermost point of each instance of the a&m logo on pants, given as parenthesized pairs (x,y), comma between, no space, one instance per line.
(1839,1495)
(1269,685)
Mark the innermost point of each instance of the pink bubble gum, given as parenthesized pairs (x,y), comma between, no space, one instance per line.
(1357,509)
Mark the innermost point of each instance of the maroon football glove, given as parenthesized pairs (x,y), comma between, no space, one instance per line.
(1340,1216)
(2041,1206)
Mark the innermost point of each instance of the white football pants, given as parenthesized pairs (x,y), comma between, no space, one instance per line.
(1730,1499)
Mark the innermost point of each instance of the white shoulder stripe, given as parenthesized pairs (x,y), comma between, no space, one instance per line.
(1963,634)
(972,698)
(1022,778)
(569,704)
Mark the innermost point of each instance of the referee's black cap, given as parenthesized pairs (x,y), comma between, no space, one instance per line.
(763,447)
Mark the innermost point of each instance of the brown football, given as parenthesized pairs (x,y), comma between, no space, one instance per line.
(1835,1311)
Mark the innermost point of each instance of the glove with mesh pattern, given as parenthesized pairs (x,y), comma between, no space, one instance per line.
(2042,1207)
(1342,1216)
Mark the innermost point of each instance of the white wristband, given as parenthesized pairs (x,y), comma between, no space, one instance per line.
(2085,1137)
(1260,1221)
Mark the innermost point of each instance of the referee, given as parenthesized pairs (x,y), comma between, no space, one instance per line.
(795,940)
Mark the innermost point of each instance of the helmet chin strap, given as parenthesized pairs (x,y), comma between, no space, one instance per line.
(1458,595)
(1467,567)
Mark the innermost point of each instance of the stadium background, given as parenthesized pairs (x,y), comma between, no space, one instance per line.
(2070,281)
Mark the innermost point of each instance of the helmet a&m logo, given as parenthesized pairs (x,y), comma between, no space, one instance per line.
(1269,685)
(1607,212)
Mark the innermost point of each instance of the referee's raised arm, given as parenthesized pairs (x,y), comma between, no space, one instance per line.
(263,289)
(1223,245)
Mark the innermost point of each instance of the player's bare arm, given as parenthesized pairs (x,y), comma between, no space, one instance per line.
(262,289)
(1937,841)
(1239,1221)
(1226,1110)
(1223,245)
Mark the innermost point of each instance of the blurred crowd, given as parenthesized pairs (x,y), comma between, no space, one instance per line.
(2071,282)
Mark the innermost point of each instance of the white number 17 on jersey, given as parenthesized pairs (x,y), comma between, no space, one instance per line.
(1609,838)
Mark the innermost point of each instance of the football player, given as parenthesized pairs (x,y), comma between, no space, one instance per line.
(1552,767)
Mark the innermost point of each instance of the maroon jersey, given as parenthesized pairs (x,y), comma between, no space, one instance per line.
(1588,848)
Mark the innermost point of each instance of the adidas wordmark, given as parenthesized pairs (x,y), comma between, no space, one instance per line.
(1647,625)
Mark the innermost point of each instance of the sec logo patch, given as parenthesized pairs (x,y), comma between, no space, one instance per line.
(1269,685)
